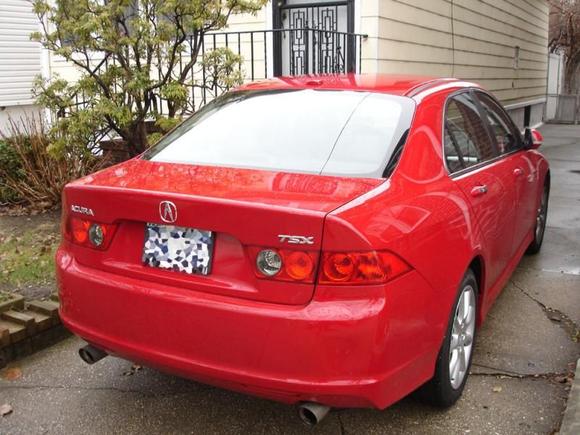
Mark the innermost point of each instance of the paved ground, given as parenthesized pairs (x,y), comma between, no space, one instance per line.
(518,383)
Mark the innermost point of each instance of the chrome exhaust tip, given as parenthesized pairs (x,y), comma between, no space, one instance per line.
(91,354)
(312,413)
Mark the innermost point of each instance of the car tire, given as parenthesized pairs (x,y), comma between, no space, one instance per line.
(447,384)
(541,218)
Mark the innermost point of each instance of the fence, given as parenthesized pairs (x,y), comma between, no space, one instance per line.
(563,108)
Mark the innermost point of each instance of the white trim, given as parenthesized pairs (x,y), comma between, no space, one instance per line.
(525,103)
(538,125)
(357,16)
(17,103)
(270,40)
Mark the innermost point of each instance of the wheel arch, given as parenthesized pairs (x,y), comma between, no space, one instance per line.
(477,266)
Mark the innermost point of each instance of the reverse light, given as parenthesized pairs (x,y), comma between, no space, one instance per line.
(87,233)
(97,234)
(269,262)
(370,267)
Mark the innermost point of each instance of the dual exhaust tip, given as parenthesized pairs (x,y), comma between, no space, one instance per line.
(91,354)
(312,413)
(309,412)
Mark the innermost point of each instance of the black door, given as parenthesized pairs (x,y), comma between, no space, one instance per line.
(315,37)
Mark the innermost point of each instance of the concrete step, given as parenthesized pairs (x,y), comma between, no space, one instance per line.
(4,337)
(42,321)
(17,332)
(21,318)
(50,308)
(21,321)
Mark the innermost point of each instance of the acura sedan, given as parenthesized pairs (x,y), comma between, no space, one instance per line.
(331,241)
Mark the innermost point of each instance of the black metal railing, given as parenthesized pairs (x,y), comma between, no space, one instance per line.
(275,52)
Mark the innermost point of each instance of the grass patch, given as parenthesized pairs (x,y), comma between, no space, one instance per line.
(27,255)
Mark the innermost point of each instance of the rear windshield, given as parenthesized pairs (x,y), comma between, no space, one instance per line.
(313,131)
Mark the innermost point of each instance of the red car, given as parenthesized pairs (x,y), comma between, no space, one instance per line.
(326,241)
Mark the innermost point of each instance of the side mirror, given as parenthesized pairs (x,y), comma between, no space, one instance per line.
(532,139)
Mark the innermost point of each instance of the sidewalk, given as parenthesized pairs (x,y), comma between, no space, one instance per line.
(571,422)
(565,151)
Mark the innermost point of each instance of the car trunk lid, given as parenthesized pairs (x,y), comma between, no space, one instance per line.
(242,207)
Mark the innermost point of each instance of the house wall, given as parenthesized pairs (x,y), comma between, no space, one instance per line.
(501,44)
(469,39)
(20,60)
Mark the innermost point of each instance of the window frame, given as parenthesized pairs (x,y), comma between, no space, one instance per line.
(485,122)
(507,117)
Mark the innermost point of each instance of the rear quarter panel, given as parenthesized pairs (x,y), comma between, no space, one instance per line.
(422,216)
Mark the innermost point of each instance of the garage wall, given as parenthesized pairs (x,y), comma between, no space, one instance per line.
(501,44)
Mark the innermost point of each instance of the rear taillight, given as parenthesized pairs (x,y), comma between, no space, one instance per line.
(88,233)
(336,268)
(369,267)
(284,264)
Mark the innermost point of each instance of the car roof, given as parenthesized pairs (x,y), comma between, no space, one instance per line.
(404,85)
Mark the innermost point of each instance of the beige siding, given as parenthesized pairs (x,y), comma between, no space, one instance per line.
(469,39)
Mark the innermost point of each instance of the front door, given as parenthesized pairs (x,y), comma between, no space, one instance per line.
(313,37)
(523,176)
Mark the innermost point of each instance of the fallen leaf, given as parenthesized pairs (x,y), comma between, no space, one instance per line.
(5,409)
(10,374)
(497,389)
(134,368)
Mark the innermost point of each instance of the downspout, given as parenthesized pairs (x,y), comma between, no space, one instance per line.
(452,39)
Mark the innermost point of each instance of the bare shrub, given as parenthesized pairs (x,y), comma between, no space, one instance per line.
(32,175)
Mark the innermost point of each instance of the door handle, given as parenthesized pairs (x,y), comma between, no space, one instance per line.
(518,172)
(479,191)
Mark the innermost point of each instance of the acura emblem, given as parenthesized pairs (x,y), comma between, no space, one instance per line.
(168,211)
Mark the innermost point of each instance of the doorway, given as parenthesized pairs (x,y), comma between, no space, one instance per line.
(313,37)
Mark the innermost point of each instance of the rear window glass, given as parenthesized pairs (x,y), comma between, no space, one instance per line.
(313,131)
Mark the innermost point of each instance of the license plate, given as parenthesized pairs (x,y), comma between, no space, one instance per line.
(181,249)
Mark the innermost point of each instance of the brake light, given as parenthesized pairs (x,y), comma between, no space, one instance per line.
(370,267)
(284,264)
(337,268)
(84,232)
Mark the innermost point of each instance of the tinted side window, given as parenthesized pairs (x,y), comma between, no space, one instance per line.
(466,140)
(506,134)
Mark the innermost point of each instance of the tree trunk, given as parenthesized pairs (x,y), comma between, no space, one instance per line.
(137,139)
(571,71)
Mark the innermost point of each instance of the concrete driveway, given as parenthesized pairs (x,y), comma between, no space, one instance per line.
(518,384)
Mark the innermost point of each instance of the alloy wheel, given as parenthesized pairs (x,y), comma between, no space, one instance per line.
(542,216)
(462,334)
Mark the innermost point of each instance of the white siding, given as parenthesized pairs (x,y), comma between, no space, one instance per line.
(20,58)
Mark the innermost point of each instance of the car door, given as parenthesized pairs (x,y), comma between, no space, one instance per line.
(510,144)
(484,176)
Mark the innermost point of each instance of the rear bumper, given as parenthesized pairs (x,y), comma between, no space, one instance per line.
(342,349)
